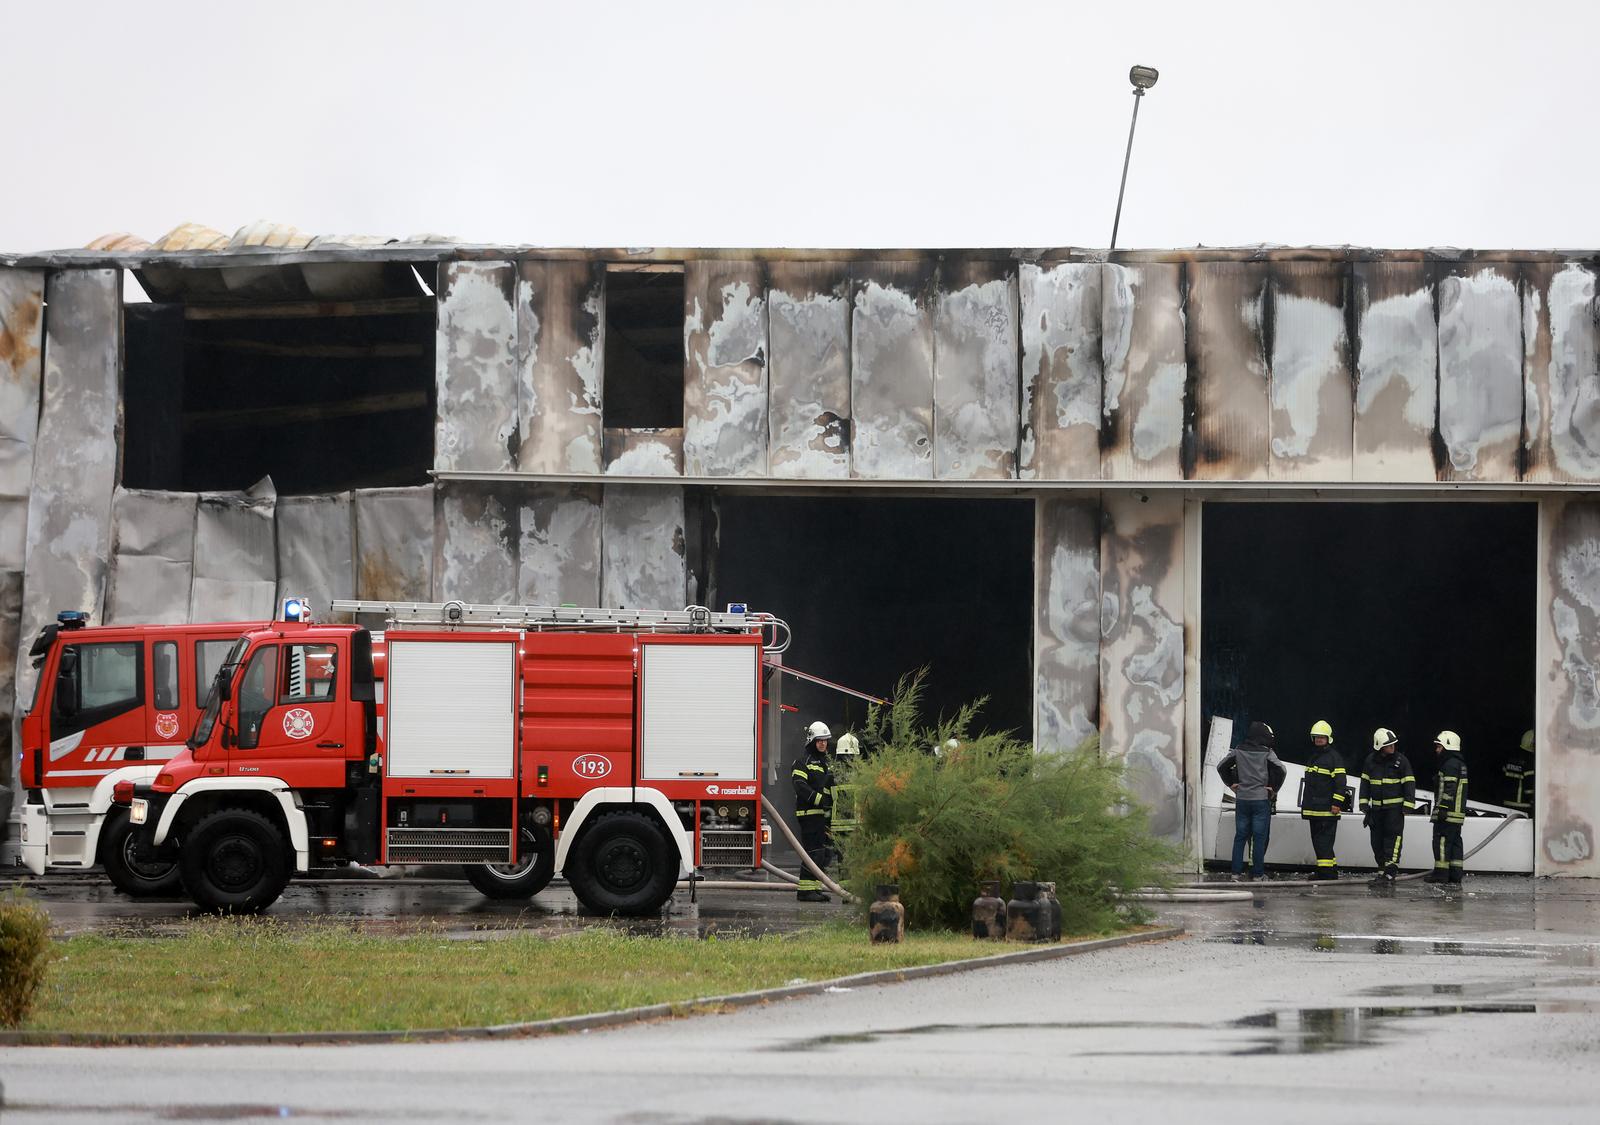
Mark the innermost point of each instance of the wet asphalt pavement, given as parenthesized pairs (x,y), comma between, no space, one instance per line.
(1329,1005)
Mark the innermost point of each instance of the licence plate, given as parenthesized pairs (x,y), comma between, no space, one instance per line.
(138,810)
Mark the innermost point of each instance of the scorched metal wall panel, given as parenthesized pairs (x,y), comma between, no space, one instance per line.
(394,544)
(1227,305)
(1561,414)
(235,557)
(1312,390)
(1480,372)
(1143,333)
(975,392)
(1061,371)
(642,540)
(891,370)
(316,550)
(21,348)
(560,546)
(1066,621)
(725,380)
(1397,372)
(560,345)
(809,403)
(152,565)
(476,367)
(476,542)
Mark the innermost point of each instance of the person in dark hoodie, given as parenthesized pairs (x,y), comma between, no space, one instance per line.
(1449,810)
(1388,786)
(1323,798)
(1255,775)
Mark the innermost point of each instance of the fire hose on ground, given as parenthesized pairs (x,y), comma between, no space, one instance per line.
(810,865)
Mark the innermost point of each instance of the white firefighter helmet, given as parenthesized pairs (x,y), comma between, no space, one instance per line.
(816,730)
(1450,740)
(1382,737)
(849,746)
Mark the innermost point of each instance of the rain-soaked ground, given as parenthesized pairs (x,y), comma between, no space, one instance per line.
(87,903)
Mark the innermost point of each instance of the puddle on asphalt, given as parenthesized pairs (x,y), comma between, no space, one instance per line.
(1382,945)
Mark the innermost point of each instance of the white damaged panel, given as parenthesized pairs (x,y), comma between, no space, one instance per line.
(560,348)
(644,451)
(891,370)
(1562,375)
(560,547)
(809,398)
(1480,374)
(1141,650)
(475,425)
(235,556)
(1396,372)
(1143,332)
(725,385)
(394,544)
(1312,390)
(642,546)
(476,542)
(1061,371)
(1227,306)
(316,549)
(1066,622)
(152,565)
(75,453)
(975,393)
(21,351)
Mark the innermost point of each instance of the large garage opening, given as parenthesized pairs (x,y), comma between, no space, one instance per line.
(1414,616)
(877,587)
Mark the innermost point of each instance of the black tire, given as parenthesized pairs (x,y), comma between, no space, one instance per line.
(623,864)
(128,875)
(234,861)
(517,880)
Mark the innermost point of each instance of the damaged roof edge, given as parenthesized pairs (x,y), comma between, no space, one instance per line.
(436,251)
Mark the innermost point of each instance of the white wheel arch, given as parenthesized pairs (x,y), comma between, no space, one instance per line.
(288,800)
(598,801)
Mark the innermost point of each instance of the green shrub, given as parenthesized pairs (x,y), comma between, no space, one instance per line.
(24,954)
(988,807)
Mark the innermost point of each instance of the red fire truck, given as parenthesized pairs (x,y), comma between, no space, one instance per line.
(112,704)
(620,748)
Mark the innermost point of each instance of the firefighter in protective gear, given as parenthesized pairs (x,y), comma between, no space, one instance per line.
(813,806)
(1388,785)
(842,821)
(1449,810)
(1519,777)
(1323,798)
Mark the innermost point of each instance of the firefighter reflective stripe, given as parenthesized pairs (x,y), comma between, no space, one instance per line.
(1327,863)
(1394,858)
(1319,812)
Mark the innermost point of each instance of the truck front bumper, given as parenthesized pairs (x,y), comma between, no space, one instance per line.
(35,840)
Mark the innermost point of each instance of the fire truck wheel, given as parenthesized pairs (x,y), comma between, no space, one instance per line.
(234,861)
(624,864)
(517,880)
(128,875)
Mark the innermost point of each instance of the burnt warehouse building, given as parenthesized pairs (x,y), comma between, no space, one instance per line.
(1117,494)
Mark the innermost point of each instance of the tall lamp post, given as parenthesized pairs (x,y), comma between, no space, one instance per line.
(1142,77)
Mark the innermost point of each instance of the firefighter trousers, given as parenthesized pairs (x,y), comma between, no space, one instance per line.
(1323,831)
(1448,852)
(815,839)
(1388,831)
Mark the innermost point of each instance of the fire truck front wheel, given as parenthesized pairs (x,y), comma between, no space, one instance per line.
(518,880)
(234,861)
(624,864)
(129,875)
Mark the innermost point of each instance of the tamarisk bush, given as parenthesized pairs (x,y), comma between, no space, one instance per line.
(986,806)
(24,955)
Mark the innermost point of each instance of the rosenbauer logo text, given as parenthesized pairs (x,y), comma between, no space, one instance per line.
(730,791)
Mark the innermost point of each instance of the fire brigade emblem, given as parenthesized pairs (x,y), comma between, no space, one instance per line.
(298,723)
(166,726)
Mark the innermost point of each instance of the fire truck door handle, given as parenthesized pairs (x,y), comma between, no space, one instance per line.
(330,746)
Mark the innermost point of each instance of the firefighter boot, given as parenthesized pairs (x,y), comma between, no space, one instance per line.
(811,896)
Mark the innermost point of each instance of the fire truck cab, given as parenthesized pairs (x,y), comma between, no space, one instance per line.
(112,704)
(622,749)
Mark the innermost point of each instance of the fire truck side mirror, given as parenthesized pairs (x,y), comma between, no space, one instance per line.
(224,685)
(363,683)
(67,684)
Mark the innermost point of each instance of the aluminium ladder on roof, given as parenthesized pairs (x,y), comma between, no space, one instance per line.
(467,615)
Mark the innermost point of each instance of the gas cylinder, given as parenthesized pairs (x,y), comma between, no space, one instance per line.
(989,913)
(1049,913)
(1022,912)
(886,918)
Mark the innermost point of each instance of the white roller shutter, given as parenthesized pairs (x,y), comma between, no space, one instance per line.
(698,716)
(451,708)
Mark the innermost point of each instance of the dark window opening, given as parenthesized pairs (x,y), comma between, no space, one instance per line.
(166,668)
(1416,617)
(643,376)
(94,683)
(321,397)
(874,588)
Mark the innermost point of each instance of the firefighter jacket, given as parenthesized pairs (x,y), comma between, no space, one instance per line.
(1387,781)
(1450,790)
(1323,793)
(813,784)
(1519,782)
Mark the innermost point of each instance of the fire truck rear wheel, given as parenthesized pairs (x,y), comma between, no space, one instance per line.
(130,876)
(624,864)
(234,861)
(518,880)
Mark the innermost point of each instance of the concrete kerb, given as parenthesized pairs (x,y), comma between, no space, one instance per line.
(590,1022)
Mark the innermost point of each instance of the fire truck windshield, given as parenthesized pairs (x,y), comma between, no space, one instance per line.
(208,717)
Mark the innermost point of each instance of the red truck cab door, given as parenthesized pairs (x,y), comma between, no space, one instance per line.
(97,710)
(290,712)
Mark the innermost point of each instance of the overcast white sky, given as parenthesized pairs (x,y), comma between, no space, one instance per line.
(814,123)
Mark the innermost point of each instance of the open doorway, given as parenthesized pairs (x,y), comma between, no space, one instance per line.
(1414,616)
